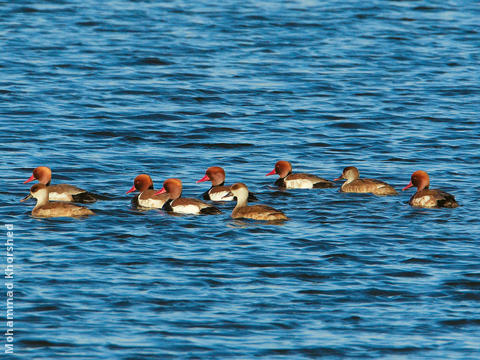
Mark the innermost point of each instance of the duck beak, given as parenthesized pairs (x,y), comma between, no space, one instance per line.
(205,178)
(29,196)
(161,191)
(227,195)
(339,178)
(408,186)
(131,190)
(31,178)
(271,173)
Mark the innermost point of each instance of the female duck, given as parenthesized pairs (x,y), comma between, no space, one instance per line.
(299,180)
(356,185)
(218,191)
(46,209)
(426,198)
(60,192)
(147,198)
(255,212)
(179,205)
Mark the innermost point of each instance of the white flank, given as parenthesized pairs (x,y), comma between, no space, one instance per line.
(54,196)
(299,184)
(186,209)
(218,196)
(150,203)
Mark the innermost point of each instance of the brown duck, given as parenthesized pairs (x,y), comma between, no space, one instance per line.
(356,185)
(255,212)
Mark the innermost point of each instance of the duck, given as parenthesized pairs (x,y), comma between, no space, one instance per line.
(146,199)
(255,212)
(60,192)
(46,209)
(176,204)
(428,198)
(297,181)
(217,192)
(356,185)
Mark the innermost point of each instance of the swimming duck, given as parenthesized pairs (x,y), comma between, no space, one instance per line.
(356,185)
(428,198)
(299,180)
(46,209)
(60,192)
(217,192)
(147,198)
(255,212)
(179,205)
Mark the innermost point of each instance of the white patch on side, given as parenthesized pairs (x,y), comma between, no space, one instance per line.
(54,196)
(186,209)
(218,196)
(299,184)
(150,203)
(424,201)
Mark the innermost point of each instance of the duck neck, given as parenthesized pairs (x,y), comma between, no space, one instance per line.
(348,180)
(42,199)
(241,201)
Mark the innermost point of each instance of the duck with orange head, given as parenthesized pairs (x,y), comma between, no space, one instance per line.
(426,197)
(289,180)
(179,205)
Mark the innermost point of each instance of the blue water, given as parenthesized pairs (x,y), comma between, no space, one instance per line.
(102,91)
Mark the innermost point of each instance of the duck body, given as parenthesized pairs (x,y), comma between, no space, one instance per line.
(354,184)
(218,191)
(433,198)
(70,193)
(428,198)
(255,212)
(60,209)
(60,192)
(147,198)
(258,212)
(372,186)
(303,181)
(289,180)
(190,206)
(46,209)
(179,205)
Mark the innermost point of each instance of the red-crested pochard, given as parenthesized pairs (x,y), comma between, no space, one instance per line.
(179,205)
(217,192)
(426,198)
(297,181)
(255,212)
(356,185)
(60,192)
(147,198)
(46,209)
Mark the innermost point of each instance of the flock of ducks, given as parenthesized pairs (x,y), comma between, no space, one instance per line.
(169,197)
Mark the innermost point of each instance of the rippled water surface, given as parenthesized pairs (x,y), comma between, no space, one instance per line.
(103,91)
